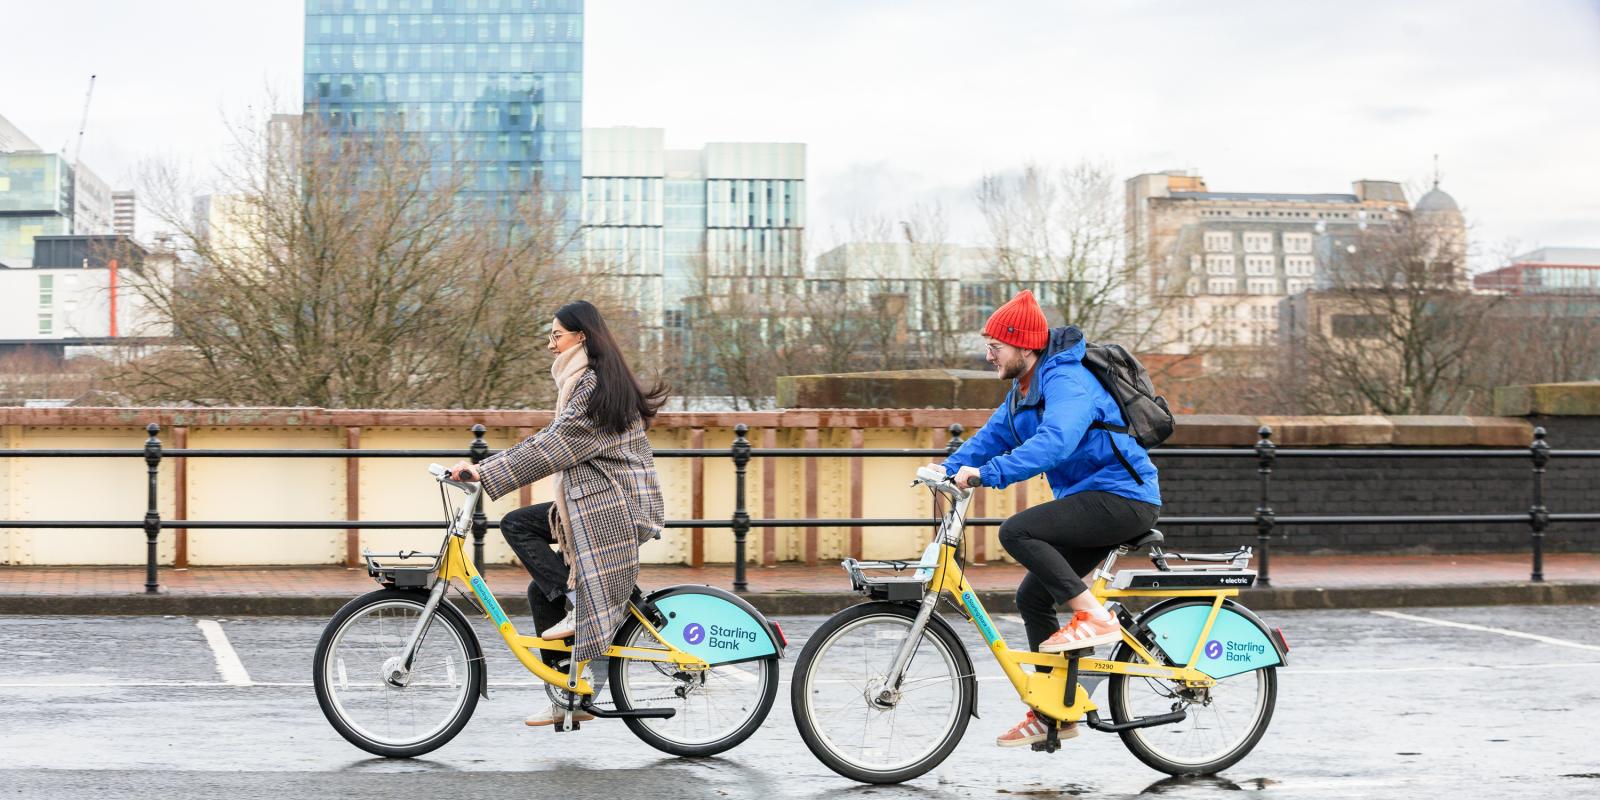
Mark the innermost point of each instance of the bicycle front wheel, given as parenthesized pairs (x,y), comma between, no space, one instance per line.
(717,708)
(859,726)
(387,715)
(1223,725)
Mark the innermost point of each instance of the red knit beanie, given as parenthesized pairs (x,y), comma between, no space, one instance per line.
(1019,323)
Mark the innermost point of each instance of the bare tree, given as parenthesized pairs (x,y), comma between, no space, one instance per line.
(351,271)
(1060,233)
(1396,331)
(1535,338)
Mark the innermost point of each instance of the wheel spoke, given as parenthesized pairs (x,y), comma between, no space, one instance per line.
(834,688)
(437,692)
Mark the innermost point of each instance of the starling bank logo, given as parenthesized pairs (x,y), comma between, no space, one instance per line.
(695,633)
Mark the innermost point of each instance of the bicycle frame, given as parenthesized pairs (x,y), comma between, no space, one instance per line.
(1045,692)
(452,564)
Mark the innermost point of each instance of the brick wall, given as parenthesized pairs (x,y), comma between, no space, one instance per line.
(1385,486)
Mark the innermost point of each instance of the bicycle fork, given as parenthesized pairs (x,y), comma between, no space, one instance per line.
(397,670)
(888,694)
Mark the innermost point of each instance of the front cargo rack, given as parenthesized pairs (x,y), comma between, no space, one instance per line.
(419,575)
(889,580)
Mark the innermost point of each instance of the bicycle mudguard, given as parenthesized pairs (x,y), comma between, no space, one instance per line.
(715,625)
(1238,641)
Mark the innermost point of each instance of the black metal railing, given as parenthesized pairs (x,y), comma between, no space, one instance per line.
(1263,519)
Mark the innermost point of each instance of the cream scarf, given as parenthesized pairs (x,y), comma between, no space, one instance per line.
(566,370)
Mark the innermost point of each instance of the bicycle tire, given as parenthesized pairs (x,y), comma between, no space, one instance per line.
(1142,742)
(459,716)
(801,691)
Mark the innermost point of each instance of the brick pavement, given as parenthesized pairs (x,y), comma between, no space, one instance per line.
(1288,571)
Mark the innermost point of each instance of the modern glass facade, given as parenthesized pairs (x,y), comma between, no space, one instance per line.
(493,85)
(35,200)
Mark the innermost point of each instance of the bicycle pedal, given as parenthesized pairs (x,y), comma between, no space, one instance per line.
(1087,652)
(1046,746)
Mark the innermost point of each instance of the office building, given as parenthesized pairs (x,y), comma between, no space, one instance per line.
(676,224)
(491,86)
(12,139)
(1213,266)
(124,213)
(40,197)
(1548,270)
(64,299)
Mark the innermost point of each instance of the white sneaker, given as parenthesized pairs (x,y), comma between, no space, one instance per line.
(553,713)
(560,630)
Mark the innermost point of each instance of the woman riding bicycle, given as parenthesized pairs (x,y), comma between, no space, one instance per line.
(607,492)
(1054,421)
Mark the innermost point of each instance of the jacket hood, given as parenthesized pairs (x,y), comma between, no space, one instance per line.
(1066,345)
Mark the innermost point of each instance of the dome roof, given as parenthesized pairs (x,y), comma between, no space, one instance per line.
(1437,200)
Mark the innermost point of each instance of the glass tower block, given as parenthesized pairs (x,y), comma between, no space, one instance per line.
(493,85)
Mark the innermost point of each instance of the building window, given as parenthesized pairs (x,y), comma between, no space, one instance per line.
(1299,266)
(1258,242)
(47,291)
(1220,286)
(1298,286)
(1262,286)
(1219,265)
(47,324)
(1258,265)
(1219,241)
(1357,326)
(1297,243)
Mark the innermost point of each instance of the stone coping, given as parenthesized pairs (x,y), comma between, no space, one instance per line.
(1194,430)
(1549,399)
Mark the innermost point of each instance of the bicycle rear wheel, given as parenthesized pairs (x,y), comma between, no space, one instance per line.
(838,703)
(1224,722)
(397,718)
(717,708)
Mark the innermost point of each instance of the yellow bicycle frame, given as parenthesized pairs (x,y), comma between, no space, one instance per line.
(1045,692)
(454,565)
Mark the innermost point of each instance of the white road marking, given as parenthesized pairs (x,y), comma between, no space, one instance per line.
(228,663)
(1486,629)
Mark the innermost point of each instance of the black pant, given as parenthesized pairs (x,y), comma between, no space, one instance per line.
(528,532)
(1062,539)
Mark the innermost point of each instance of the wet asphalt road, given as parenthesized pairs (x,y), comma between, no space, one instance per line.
(1372,705)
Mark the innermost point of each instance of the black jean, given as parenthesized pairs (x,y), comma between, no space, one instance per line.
(528,532)
(1061,540)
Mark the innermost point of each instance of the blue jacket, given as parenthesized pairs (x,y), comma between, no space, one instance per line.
(1047,431)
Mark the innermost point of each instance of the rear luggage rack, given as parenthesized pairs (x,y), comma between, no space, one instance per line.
(402,576)
(1231,570)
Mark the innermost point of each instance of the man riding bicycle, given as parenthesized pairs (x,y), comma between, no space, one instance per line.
(1057,420)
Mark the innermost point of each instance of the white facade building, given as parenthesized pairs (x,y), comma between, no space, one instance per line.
(65,299)
(124,213)
(674,224)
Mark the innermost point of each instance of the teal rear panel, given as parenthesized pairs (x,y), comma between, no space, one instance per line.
(1235,644)
(709,627)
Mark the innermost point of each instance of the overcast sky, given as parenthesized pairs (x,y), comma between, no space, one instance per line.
(908,102)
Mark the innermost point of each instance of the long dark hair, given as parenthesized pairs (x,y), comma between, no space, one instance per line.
(618,397)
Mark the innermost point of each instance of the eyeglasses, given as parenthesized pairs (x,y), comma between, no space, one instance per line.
(554,335)
(996,347)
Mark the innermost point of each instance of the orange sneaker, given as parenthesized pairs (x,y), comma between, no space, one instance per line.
(1032,730)
(1083,631)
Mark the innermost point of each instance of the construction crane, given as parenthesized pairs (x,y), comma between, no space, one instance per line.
(77,153)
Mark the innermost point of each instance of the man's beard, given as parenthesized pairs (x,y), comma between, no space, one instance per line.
(1011,370)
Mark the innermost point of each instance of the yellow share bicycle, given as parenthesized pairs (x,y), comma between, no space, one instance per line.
(693,670)
(883,690)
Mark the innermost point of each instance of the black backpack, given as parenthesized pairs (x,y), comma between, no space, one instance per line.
(1147,418)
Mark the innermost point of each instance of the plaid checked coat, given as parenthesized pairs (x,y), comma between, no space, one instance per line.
(613,500)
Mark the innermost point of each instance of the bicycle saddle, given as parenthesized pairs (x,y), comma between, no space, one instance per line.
(1149,537)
